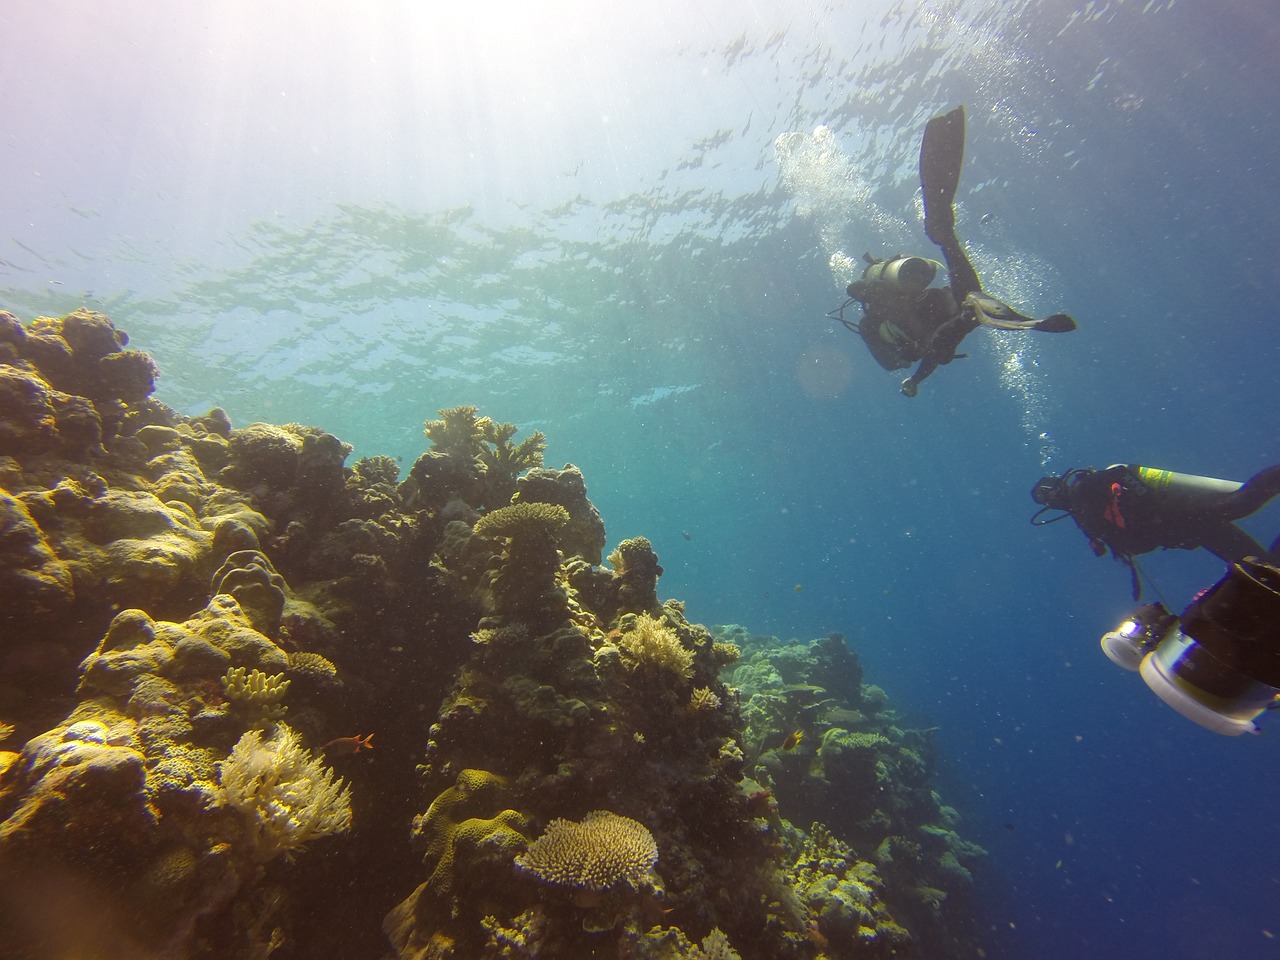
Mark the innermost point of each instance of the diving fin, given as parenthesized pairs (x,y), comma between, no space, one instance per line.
(991,312)
(1058,323)
(941,156)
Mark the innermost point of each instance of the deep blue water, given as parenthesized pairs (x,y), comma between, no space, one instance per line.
(574,216)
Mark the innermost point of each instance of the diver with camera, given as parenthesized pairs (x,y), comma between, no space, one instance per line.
(905,320)
(1218,662)
(1130,509)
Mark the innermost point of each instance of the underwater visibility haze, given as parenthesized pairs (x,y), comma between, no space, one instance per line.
(307,305)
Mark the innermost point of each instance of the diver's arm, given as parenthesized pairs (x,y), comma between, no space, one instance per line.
(911,385)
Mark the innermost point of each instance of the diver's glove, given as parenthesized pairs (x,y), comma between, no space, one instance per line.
(909,387)
(990,312)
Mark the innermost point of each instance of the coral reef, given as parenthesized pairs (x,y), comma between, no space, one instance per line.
(566,765)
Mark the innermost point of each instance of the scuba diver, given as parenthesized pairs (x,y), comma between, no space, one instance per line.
(905,320)
(1131,509)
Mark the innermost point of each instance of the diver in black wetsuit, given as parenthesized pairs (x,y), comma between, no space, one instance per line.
(904,320)
(1131,510)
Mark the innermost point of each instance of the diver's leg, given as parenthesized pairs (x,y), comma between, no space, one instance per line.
(1257,490)
(941,156)
(1229,543)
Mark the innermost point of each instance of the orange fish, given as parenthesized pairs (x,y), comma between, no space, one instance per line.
(348,745)
(793,740)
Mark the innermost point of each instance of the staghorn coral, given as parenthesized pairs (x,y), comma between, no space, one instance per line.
(649,644)
(285,796)
(672,944)
(502,461)
(459,433)
(603,851)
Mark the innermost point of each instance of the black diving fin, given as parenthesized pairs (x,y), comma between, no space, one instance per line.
(941,156)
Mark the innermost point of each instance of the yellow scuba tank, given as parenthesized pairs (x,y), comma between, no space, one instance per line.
(908,274)
(1182,485)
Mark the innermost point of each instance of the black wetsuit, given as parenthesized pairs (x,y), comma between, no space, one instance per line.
(1117,510)
(899,328)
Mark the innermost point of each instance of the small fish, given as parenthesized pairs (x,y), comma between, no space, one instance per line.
(348,745)
(793,740)
(686,534)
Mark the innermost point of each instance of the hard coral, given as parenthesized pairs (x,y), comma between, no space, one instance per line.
(459,433)
(522,519)
(602,852)
(636,567)
(651,644)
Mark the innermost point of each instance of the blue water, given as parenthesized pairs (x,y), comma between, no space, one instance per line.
(574,216)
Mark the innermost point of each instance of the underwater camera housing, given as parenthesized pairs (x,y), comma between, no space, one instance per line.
(1218,664)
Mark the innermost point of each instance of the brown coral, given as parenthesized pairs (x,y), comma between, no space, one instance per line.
(601,852)
(522,518)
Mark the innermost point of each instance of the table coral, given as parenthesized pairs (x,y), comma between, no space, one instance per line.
(524,584)
(603,851)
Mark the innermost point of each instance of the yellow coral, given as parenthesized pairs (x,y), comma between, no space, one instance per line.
(703,700)
(726,654)
(650,643)
(522,518)
(601,852)
(629,553)
(257,689)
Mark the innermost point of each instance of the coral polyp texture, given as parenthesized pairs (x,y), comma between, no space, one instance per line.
(286,797)
(601,852)
(172,584)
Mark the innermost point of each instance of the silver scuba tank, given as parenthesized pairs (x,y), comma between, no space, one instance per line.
(1183,487)
(908,274)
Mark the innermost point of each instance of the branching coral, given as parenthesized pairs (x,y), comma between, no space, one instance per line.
(651,644)
(286,796)
(260,692)
(601,852)
(703,700)
(458,433)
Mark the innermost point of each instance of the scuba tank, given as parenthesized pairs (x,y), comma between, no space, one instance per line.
(906,274)
(1182,484)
